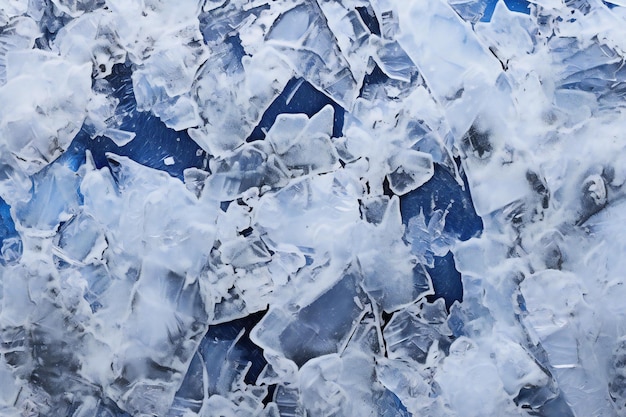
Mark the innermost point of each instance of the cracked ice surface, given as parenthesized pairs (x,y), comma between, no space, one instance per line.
(312,208)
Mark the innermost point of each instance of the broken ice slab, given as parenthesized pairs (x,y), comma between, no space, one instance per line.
(302,36)
(91,38)
(474,10)
(322,326)
(351,34)
(312,213)
(394,61)
(38,127)
(150,365)
(298,96)
(457,68)
(225,367)
(252,165)
(304,144)
(410,335)
(346,385)
(80,240)
(171,68)
(54,199)
(393,278)
(232,91)
(19,34)
(409,170)
(409,385)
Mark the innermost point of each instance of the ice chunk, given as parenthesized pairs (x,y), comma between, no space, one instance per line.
(314,212)
(91,38)
(351,33)
(227,78)
(164,79)
(486,398)
(251,166)
(19,34)
(344,385)
(473,10)
(444,48)
(38,127)
(81,240)
(306,332)
(409,170)
(54,200)
(301,34)
(394,279)
(394,61)
(304,144)
(410,335)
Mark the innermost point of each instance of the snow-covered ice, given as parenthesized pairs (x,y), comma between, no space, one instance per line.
(294,208)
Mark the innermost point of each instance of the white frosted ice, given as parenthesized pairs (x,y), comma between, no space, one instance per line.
(303,274)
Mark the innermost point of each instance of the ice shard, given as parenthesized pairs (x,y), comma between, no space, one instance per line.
(312,208)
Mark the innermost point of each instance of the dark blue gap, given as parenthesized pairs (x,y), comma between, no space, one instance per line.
(370,20)
(377,76)
(609,4)
(251,352)
(443,192)
(7,225)
(299,96)
(489,8)
(520,6)
(153,142)
(446,280)
(7,231)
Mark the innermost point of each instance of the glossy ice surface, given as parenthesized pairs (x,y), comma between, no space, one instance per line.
(312,208)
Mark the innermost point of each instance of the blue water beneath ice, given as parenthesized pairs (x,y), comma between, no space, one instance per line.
(7,226)
(154,142)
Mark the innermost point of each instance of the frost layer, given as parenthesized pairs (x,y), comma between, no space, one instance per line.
(317,251)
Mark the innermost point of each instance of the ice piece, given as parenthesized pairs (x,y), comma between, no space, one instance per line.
(80,240)
(161,83)
(351,34)
(486,398)
(409,170)
(218,375)
(474,10)
(314,213)
(408,335)
(444,48)
(226,78)
(301,34)
(393,279)
(508,33)
(91,37)
(19,34)
(251,166)
(38,127)
(303,333)
(304,144)
(54,200)
(394,61)
(344,385)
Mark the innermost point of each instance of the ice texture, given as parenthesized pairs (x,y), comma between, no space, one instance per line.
(294,208)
